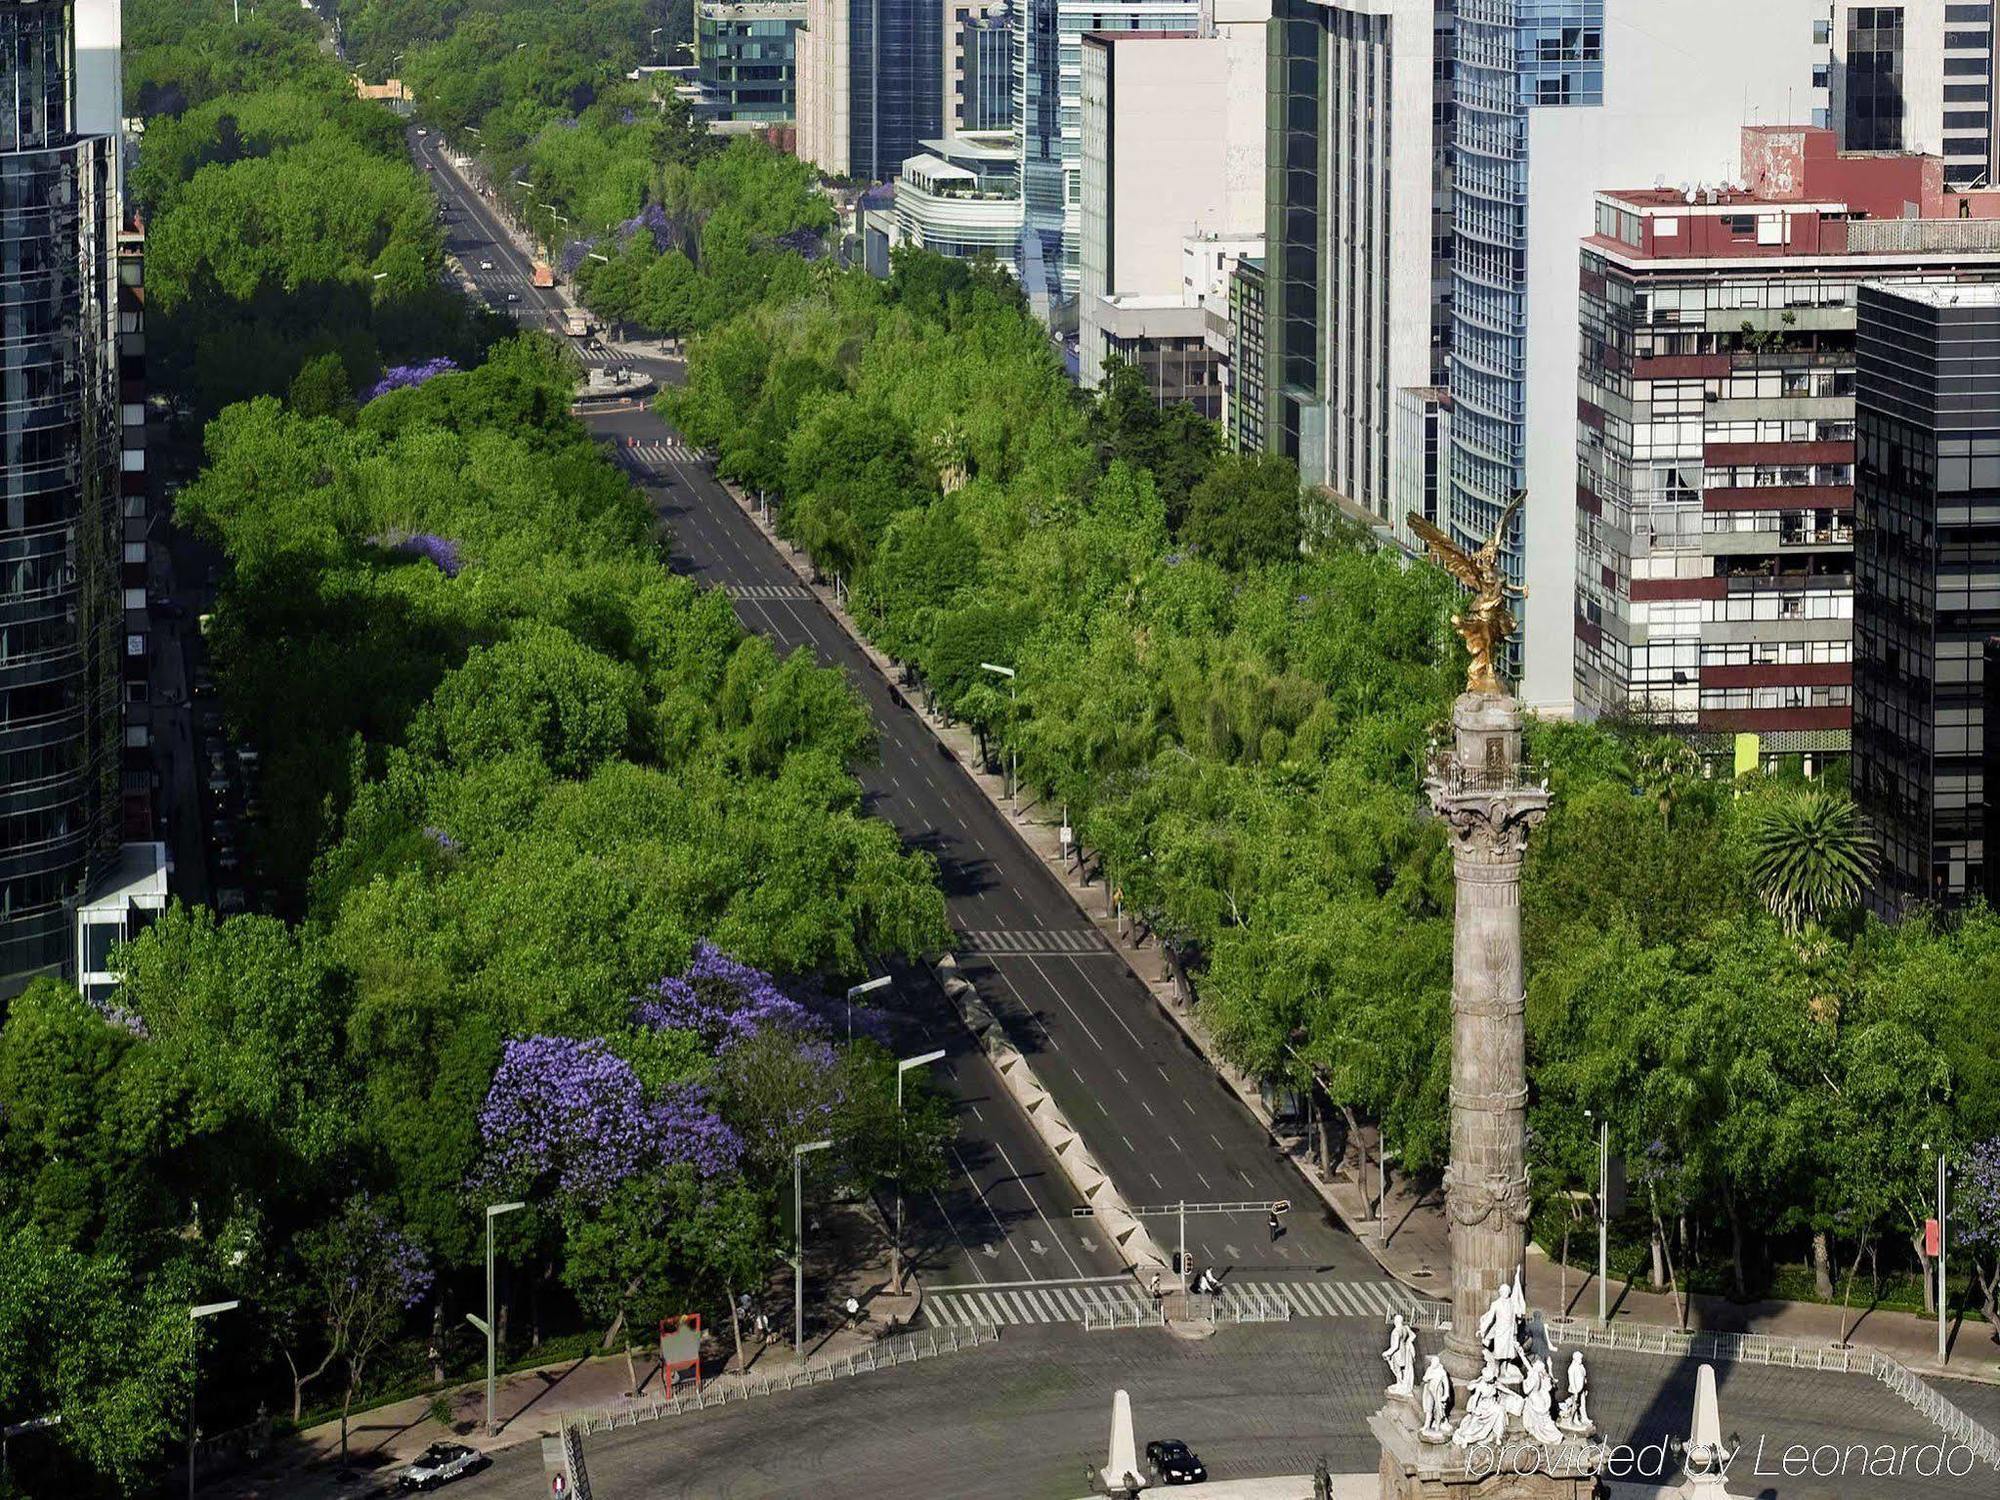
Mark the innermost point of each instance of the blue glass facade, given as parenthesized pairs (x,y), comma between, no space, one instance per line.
(61,632)
(1513,56)
(895,84)
(747,52)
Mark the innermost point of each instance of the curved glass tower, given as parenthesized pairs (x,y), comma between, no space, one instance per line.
(60,618)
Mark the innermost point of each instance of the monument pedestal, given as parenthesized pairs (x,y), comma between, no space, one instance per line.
(1515,1468)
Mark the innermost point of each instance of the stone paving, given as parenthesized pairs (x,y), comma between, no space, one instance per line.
(1022,1418)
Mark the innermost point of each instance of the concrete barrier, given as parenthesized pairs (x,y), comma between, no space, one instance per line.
(1113,1215)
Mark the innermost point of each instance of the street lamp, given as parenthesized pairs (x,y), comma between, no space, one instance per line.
(485,1324)
(799,1154)
(903,1065)
(1014,795)
(1603,1215)
(595,256)
(195,1315)
(879,982)
(1942,1352)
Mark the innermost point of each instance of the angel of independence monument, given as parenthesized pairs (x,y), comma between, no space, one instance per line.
(1488,1406)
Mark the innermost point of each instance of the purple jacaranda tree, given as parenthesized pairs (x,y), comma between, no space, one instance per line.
(807,244)
(563,1117)
(569,1119)
(652,221)
(572,255)
(365,1275)
(398,377)
(722,1000)
(1975,1223)
(440,552)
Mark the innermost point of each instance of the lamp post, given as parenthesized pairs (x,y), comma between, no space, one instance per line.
(195,1315)
(654,33)
(799,1154)
(1014,792)
(485,1324)
(879,982)
(903,1065)
(1942,1352)
(1603,1216)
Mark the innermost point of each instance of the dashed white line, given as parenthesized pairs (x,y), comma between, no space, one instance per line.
(1128,1144)
(1146,1107)
(1174,1143)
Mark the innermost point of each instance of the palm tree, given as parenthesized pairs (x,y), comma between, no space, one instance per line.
(1810,855)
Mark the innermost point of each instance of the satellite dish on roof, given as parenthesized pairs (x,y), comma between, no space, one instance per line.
(1687,192)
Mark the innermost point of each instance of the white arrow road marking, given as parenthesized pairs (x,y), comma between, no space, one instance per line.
(1232,1252)
(991,1252)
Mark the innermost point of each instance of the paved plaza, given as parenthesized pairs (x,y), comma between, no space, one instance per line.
(1019,1420)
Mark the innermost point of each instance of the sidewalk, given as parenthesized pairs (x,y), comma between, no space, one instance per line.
(1417,1251)
(531,1404)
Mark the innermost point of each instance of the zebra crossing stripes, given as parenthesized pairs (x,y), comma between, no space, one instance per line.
(1054,942)
(1032,1302)
(658,455)
(765,592)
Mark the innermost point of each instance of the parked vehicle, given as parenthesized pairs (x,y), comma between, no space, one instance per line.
(440,1464)
(1173,1461)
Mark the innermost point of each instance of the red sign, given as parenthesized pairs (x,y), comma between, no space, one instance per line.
(1933,1237)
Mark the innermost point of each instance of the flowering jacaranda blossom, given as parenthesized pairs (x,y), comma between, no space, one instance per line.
(651,220)
(440,552)
(721,1000)
(572,255)
(396,377)
(807,244)
(569,1117)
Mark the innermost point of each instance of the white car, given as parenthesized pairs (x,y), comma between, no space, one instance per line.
(486,265)
(440,1464)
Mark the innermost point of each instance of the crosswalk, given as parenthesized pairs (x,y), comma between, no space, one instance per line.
(658,455)
(1049,942)
(765,593)
(1068,1302)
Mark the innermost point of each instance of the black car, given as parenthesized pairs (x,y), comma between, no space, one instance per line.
(1174,1462)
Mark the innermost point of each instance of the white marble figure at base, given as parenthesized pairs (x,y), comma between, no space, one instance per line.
(1500,1331)
(1485,1419)
(1437,1401)
(1537,1397)
(1401,1357)
(1576,1405)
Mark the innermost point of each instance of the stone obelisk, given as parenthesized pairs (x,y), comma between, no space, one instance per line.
(1480,794)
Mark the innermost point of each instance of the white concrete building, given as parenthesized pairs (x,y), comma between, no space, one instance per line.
(961,198)
(1172,138)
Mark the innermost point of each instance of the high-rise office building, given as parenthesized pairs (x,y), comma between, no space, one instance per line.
(1356,186)
(870,84)
(1049,68)
(62,624)
(979,65)
(1927,580)
(1715,410)
(1916,76)
(1550,98)
(746,56)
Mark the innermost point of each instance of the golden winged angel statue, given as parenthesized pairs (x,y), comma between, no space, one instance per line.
(1485,622)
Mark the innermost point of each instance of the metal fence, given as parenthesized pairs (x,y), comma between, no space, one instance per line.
(903,1350)
(1251,1307)
(1766,1349)
(1123,1315)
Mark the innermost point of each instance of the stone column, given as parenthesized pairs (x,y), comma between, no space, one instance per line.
(1478,790)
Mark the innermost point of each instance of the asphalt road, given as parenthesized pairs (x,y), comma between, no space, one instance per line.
(1019,1420)
(1153,1112)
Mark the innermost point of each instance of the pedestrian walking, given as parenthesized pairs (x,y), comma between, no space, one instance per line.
(1155,1289)
(853,1312)
(1276,1228)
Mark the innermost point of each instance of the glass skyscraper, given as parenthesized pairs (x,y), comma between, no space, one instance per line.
(1513,56)
(747,54)
(61,626)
